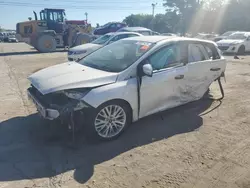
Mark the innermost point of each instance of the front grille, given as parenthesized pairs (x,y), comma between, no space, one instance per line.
(51,98)
(223,48)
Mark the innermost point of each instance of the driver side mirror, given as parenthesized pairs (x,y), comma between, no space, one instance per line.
(147,70)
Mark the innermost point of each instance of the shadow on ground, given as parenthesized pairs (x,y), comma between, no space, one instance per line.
(27,152)
(27,53)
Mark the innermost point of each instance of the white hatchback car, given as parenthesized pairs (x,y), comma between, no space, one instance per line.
(125,81)
(83,50)
(237,43)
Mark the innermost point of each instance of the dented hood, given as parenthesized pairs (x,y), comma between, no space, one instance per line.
(69,76)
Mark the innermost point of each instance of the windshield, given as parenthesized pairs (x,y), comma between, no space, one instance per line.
(228,33)
(116,57)
(240,36)
(103,39)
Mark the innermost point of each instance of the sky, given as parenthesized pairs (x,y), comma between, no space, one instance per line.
(99,11)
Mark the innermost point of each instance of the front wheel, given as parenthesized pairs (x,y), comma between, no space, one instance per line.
(108,121)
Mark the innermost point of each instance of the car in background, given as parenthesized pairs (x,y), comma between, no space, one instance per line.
(237,43)
(1,37)
(83,50)
(126,81)
(224,35)
(141,30)
(109,27)
(169,34)
(206,36)
(12,38)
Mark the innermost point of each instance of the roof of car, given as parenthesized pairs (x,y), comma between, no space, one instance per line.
(135,29)
(125,32)
(155,39)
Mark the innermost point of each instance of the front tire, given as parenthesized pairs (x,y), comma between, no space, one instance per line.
(46,43)
(108,121)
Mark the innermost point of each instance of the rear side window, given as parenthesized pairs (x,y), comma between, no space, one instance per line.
(132,35)
(212,51)
(209,52)
(195,53)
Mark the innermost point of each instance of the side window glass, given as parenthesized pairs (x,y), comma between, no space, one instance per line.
(118,25)
(209,52)
(166,57)
(212,51)
(112,26)
(122,36)
(132,35)
(195,54)
(115,38)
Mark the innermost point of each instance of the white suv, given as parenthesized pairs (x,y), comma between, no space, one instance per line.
(125,81)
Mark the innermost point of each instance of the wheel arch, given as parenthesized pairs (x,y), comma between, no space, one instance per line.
(119,100)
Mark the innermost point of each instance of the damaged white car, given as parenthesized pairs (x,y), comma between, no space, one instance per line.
(125,81)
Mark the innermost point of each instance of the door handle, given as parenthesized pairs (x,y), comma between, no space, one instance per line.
(215,69)
(179,77)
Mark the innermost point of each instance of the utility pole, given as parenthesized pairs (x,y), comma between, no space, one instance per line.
(86,14)
(153,8)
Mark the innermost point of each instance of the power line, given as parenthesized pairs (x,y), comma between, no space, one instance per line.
(71,6)
(99,2)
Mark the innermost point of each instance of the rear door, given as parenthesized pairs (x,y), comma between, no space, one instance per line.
(204,66)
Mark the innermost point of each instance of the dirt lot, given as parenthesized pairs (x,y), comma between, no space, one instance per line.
(204,144)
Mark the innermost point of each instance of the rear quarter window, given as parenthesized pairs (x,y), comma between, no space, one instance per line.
(212,51)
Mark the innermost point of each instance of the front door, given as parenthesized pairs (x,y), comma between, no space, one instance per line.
(163,89)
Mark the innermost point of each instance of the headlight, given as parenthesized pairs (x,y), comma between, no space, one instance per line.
(76,93)
(80,52)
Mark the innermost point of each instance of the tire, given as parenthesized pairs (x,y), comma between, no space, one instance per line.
(95,130)
(46,43)
(241,50)
(82,39)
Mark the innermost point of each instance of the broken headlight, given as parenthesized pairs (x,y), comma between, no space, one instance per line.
(76,93)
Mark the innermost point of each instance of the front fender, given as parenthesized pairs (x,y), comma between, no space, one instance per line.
(124,90)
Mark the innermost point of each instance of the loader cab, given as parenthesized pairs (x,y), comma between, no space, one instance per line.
(55,19)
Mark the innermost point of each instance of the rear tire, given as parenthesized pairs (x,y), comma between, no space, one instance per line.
(46,43)
(108,121)
(241,50)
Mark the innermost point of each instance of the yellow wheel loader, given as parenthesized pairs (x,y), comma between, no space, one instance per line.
(53,31)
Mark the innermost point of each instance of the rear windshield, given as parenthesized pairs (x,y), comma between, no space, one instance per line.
(117,56)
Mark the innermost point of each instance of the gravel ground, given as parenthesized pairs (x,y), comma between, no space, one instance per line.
(205,144)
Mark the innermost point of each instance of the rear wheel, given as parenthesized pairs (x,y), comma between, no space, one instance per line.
(108,121)
(46,43)
(241,50)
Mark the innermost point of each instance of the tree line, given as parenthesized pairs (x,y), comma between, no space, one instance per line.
(193,16)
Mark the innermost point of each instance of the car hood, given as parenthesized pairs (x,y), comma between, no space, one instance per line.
(70,75)
(228,42)
(88,46)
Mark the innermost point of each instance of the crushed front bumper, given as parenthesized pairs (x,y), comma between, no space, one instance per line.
(54,106)
(46,113)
